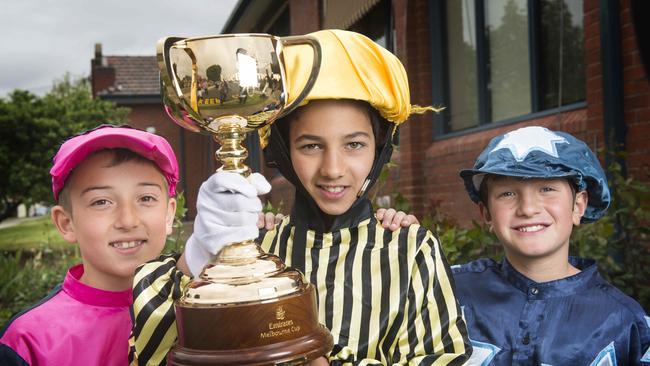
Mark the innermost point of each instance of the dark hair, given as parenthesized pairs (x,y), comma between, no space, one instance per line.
(119,156)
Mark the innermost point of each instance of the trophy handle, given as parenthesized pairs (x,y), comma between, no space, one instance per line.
(313,42)
(175,106)
(169,87)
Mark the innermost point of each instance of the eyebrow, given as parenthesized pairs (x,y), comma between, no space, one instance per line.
(319,138)
(95,188)
(98,188)
(148,184)
(357,134)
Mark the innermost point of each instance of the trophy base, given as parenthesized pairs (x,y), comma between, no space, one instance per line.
(282,331)
(299,351)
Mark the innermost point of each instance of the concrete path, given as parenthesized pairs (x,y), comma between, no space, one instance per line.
(13,221)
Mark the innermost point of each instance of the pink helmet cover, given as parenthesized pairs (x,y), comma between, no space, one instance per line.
(148,145)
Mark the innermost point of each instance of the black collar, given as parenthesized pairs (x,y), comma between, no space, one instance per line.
(306,215)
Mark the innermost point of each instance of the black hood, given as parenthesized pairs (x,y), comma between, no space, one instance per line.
(305,207)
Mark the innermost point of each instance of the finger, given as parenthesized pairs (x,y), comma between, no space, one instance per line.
(380,213)
(226,218)
(223,181)
(227,201)
(260,221)
(260,183)
(231,235)
(278,218)
(269,220)
(410,220)
(388,218)
(397,220)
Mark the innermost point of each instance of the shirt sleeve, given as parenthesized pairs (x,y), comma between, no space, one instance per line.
(433,331)
(155,287)
(640,353)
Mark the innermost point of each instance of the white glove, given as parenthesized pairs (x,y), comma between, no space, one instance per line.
(228,209)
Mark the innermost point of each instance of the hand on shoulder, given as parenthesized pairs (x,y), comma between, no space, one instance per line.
(392,219)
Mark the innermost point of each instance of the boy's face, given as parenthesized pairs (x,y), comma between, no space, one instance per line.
(120,218)
(332,151)
(533,218)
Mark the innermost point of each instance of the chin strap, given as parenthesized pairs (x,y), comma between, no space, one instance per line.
(378,164)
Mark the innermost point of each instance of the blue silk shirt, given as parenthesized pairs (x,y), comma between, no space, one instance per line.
(578,320)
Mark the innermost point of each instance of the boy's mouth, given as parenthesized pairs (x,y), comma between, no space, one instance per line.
(332,192)
(127,244)
(333,189)
(530,228)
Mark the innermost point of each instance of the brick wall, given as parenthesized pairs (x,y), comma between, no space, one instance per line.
(305,16)
(636,102)
(413,48)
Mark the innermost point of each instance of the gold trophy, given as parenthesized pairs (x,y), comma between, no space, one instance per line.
(246,307)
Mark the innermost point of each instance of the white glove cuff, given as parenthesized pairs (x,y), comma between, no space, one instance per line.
(196,256)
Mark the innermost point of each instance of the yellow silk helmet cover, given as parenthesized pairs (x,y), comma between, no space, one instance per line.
(352,67)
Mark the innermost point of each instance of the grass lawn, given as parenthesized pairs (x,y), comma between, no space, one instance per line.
(36,233)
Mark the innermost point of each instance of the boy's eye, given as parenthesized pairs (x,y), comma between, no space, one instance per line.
(506,194)
(100,202)
(310,147)
(547,189)
(148,199)
(355,145)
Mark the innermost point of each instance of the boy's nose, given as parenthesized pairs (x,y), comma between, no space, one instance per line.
(333,165)
(127,218)
(529,204)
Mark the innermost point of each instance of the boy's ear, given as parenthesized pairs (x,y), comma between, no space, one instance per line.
(63,222)
(171,213)
(485,213)
(579,206)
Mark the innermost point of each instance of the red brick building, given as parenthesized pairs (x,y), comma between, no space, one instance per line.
(133,82)
(571,65)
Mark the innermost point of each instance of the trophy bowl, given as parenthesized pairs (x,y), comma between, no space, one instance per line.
(246,307)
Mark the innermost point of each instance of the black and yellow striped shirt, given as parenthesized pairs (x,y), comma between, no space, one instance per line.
(387,297)
(155,287)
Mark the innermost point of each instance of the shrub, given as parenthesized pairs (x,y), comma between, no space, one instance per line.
(28,276)
(176,241)
(620,241)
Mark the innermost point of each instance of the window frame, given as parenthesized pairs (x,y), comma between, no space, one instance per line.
(440,75)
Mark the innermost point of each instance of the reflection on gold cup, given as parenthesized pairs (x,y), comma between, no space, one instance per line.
(246,307)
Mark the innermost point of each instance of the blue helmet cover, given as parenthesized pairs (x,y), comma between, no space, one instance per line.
(537,152)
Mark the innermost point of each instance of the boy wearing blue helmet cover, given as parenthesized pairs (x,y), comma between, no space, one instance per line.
(539,306)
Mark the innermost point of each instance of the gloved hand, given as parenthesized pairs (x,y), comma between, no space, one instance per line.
(227,210)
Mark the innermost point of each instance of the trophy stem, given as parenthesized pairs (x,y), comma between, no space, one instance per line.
(232,154)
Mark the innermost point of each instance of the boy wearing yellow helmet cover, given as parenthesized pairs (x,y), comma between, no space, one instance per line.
(386,297)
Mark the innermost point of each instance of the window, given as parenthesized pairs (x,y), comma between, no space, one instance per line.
(377,25)
(504,59)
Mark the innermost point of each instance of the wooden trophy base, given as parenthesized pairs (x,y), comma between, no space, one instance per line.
(282,331)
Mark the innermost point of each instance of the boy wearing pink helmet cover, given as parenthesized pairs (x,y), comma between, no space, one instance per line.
(114,188)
